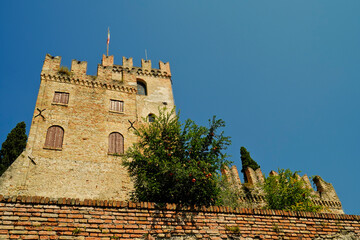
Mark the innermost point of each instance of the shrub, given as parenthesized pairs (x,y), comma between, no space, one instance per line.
(177,163)
(288,192)
(64,71)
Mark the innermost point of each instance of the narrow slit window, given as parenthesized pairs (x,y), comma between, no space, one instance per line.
(54,137)
(61,97)
(116,143)
(116,105)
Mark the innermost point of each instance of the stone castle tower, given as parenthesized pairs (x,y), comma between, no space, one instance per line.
(81,126)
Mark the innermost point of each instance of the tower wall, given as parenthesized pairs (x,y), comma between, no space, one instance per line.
(83,167)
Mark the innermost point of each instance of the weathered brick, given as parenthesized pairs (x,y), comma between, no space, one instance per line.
(49,215)
(6,227)
(30,237)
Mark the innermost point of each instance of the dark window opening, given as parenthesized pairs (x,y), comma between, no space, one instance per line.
(151,117)
(141,88)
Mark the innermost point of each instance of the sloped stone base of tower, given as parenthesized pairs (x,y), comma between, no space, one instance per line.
(105,180)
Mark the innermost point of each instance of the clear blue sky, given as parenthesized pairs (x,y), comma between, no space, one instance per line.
(284,75)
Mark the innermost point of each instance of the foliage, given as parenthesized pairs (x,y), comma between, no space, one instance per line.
(177,163)
(229,195)
(247,161)
(287,191)
(13,146)
(234,229)
(76,231)
(64,71)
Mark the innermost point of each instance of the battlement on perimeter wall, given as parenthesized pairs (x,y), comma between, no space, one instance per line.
(252,194)
(106,69)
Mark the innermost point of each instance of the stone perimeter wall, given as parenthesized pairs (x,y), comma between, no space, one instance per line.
(44,218)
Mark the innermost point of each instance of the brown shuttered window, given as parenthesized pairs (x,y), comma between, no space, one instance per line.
(116,143)
(54,137)
(116,105)
(61,97)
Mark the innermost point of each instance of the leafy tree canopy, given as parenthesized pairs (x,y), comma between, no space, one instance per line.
(247,161)
(177,163)
(287,191)
(13,146)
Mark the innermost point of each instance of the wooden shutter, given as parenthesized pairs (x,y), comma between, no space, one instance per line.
(57,97)
(112,143)
(61,97)
(59,135)
(121,106)
(116,143)
(112,105)
(54,137)
(49,137)
(64,98)
(116,105)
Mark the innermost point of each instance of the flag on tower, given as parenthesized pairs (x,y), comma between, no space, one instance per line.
(108,39)
(107,43)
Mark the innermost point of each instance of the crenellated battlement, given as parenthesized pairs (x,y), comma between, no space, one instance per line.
(106,70)
(252,194)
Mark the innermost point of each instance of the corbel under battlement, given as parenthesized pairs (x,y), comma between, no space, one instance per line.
(88,83)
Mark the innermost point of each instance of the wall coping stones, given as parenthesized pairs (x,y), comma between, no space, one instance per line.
(151,206)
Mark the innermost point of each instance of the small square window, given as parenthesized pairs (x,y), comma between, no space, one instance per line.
(61,97)
(116,105)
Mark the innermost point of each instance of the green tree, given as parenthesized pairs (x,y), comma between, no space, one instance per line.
(177,163)
(247,161)
(287,191)
(13,146)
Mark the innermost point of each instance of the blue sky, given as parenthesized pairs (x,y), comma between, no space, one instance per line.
(284,75)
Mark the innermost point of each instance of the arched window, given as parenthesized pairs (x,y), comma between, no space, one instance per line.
(151,117)
(54,137)
(141,88)
(116,143)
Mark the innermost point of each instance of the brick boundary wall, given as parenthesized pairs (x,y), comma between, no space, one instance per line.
(25,217)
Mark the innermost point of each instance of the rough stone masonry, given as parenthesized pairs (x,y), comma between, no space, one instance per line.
(81,126)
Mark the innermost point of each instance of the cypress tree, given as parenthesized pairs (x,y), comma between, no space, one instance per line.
(13,146)
(247,161)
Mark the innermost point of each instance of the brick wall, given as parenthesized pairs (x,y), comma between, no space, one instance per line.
(44,218)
